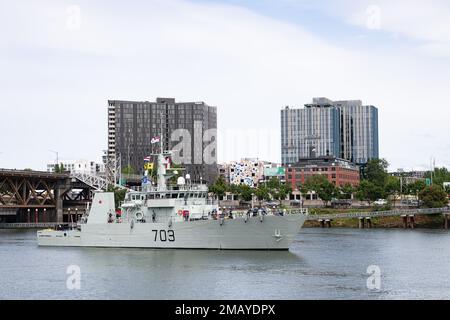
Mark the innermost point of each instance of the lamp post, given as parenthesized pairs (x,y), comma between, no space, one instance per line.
(57,158)
(28,219)
(43,215)
(36,216)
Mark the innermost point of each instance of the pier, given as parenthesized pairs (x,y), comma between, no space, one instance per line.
(365,218)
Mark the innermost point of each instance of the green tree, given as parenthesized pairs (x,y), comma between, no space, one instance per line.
(234,188)
(245,192)
(440,175)
(277,189)
(59,168)
(273,184)
(433,197)
(415,187)
(262,193)
(283,191)
(219,187)
(346,191)
(375,171)
(392,185)
(128,170)
(325,190)
(119,195)
(369,191)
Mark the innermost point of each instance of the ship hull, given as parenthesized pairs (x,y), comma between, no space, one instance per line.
(255,233)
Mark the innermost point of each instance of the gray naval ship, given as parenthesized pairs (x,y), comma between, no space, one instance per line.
(178,217)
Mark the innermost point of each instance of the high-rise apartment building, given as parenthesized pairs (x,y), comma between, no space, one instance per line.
(133,124)
(343,129)
(359,131)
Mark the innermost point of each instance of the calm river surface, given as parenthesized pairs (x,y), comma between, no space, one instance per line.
(322,264)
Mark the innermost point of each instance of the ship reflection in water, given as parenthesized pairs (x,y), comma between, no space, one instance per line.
(322,264)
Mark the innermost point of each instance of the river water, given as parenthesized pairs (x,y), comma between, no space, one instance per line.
(322,264)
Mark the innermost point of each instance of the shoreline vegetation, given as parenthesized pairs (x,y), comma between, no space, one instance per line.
(435,221)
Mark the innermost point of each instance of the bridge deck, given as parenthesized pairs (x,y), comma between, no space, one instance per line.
(33,174)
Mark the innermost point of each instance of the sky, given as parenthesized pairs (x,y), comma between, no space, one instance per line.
(60,61)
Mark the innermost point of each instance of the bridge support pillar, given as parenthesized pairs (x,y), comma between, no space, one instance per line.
(361,222)
(405,221)
(446,221)
(322,223)
(411,221)
(59,205)
(369,222)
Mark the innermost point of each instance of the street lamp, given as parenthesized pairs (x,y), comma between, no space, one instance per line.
(57,158)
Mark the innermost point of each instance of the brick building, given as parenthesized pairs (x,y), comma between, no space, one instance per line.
(338,171)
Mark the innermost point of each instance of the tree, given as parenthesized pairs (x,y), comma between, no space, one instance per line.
(392,187)
(369,191)
(415,187)
(273,184)
(440,175)
(283,191)
(245,192)
(219,188)
(325,190)
(262,193)
(128,170)
(278,190)
(234,188)
(346,191)
(59,168)
(433,197)
(375,171)
(119,195)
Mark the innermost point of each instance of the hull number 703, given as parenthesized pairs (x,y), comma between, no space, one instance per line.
(164,236)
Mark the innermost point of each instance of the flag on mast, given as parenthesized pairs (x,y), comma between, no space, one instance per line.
(155,140)
(147,159)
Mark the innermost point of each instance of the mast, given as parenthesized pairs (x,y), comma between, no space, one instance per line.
(162,186)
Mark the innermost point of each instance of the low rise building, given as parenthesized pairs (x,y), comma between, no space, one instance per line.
(338,171)
(246,171)
(408,177)
(78,166)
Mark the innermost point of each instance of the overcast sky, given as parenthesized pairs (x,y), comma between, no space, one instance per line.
(60,61)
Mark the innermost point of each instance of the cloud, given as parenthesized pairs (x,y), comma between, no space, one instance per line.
(424,21)
(57,79)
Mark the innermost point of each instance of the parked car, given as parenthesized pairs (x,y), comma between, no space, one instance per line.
(380,202)
(341,203)
(272,204)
